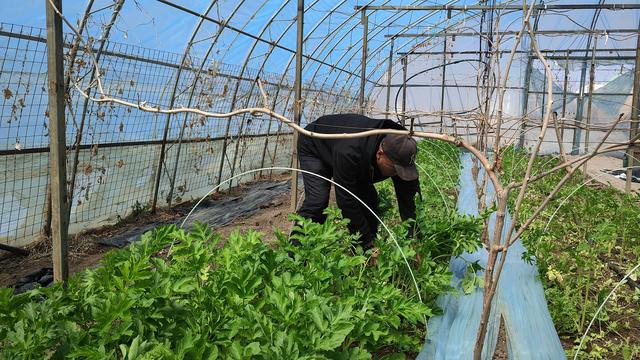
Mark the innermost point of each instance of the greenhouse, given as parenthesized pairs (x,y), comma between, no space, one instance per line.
(306,179)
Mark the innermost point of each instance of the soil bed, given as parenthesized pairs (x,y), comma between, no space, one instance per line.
(86,249)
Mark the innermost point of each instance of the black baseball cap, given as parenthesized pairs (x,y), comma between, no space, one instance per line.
(401,150)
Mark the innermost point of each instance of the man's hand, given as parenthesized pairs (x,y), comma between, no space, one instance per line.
(374,255)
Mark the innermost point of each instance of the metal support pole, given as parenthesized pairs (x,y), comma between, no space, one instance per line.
(553,53)
(544,95)
(386,20)
(347,83)
(297,105)
(525,101)
(444,74)
(564,95)
(225,141)
(363,71)
(592,76)
(389,75)
(237,149)
(577,133)
(404,89)
(635,119)
(172,100)
(156,186)
(57,147)
(527,85)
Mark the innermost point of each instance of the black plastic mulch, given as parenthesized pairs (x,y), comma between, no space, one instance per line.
(247,201)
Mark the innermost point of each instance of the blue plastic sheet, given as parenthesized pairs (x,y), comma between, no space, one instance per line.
(519,300)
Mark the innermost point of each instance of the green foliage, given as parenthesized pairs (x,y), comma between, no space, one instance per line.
(245,300)
(440,231)
(593,226)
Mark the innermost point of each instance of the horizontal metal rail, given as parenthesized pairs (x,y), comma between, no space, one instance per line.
(124,56)
(463,86)
(620,6)
(510,32)
(121,55)
(39,150)
(544,51)
(602,58)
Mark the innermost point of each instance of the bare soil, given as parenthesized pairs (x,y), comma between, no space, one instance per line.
(85,252)
(272,216)
(501,352)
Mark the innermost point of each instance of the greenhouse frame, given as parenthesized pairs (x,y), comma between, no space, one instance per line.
(132,124)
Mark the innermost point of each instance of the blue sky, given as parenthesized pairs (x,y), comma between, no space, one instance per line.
(143,22)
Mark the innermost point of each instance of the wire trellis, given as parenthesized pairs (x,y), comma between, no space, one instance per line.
(120,147)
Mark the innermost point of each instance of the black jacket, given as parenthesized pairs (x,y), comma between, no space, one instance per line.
(353,162)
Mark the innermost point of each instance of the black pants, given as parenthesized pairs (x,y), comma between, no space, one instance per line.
(316,195)
(316,190)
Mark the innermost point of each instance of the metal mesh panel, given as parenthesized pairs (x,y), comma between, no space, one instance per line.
(23,133)
(118,148)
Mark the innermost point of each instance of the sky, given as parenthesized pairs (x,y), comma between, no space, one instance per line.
(143,22)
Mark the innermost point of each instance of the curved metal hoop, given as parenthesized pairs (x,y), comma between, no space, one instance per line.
(404,257)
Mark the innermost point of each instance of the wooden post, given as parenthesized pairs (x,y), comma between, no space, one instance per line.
(57,155)
(297,105)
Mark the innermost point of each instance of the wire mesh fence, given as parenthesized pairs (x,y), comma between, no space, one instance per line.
(118,148)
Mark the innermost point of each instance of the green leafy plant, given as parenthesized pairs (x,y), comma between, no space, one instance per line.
(180,294)
(585,233)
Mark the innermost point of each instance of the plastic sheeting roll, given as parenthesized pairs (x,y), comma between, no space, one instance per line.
(519,300)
